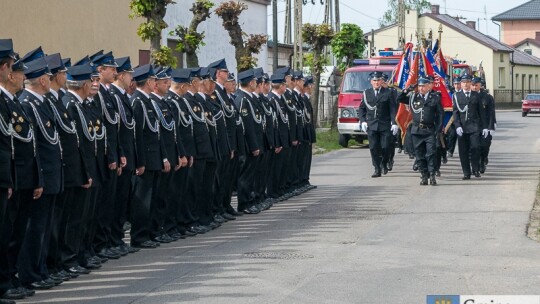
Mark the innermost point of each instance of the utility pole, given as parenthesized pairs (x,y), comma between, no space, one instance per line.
(401,24)
(275,34)
(298,49)
(336,11)
(288,25)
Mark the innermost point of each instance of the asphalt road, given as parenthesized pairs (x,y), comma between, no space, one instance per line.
(353,240)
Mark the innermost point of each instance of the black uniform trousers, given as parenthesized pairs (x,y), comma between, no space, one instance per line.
(424,150)
(292,170)
(6,230)
(185,212)
(307,164)
(485,145)
(106,205)
(143,204)
(89,223)
(274,174)
(120,212)
(379,143)
(235,174)
(469,152)
(54,261)
(261,177)
(284,171)
(451,138)
(31,266)
(248,169)
(223,185)
(164,203)
(172,202)
(301,162)
(76,201)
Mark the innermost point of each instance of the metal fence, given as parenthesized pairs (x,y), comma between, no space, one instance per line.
(506,95)
(327,103)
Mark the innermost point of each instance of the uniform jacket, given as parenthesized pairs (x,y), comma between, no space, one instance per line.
(126,131)
(488,104)
(290,105)
(85,132)
(201,133)
(150,149)
(310,128)
(27,164)
(283,132)
(252,120)
(41,113)
(428,113)
(106,101)
(184,129)
(7,172)
(95,116)
(383,112)
(168,137)
(75,174)
(474,118)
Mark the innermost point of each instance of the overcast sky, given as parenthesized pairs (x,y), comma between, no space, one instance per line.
(366,13)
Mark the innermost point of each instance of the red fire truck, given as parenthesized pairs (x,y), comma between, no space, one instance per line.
(355,81)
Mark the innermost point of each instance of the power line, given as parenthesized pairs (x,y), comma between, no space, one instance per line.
(361,13)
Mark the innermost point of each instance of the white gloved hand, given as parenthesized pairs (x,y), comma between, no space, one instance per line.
(459,131)
(485,133)
(364,127)
(394,129)
(494,126)
(492,132)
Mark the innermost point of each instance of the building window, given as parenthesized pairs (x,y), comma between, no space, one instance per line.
(502,75)
(528,51)
(502,57)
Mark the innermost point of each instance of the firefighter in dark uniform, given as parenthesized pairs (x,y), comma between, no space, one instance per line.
(488,105)
(450,128)
(11,81)
(126,143)
(377,118)
(151,159)
(396,137)
(310,130)
(184,129)
(427,122)
(252,121)
(471,124)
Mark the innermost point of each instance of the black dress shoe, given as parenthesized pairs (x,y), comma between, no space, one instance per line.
(145,244)
(377,173)
(219,219)
(92,266)
(13,294)
(6,301)
(437,173)
(57,277)
(214,225)
(477,174)
(107,253)
(384,170)
(390,165)
(432,180)
(444,159)
(482,168)
(186,232)
(27,292)
(235,213)
(177,236)
(228,216)
(466,177)
(130,249)
(78,270)
(424,180)
(53,281)
(415,166)
(41,285)
(119,250)
(399,150)
(70,274)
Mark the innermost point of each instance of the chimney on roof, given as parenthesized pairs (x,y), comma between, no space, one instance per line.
(471,24)
(435,9)
(537,38)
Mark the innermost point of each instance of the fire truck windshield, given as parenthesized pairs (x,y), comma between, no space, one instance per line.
(356,82)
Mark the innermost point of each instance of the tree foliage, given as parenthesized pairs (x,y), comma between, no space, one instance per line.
(391,15)
(245,45)
(317,36)
(164,57)
(154,12)
(348,44)
(189,40)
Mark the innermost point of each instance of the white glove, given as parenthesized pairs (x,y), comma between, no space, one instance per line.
(394,129)
(459,131)
(494,126)
(492,132)
(485,133)
(364,127)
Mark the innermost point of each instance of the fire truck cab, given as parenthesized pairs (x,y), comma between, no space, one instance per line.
(355,81)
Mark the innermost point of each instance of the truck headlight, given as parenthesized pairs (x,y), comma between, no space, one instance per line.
(346,113)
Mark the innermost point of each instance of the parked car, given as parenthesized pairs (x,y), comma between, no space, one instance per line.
(530,105)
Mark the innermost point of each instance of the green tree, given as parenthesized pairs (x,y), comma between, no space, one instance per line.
(154,12)
(245,45)
(348,44)
(317,36)
(189,40)
(390,16)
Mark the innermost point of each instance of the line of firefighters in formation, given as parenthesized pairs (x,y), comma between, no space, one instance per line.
(86,147)
(432,133)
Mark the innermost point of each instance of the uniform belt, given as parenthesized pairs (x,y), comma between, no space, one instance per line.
(424,126)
